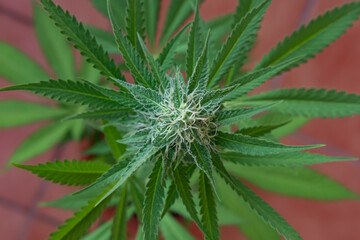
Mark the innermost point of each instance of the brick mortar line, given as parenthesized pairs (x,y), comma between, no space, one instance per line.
(16,16)
(16,207)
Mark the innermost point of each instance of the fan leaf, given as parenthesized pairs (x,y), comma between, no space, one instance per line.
(173,230)
(309,102)
(314,37)
(252,80)
(15,113)
(258,229)
(244,7)
(183,188)
(166,57)
(82,40)
(268,214)
(200,75)
(233,116)
(135,21)
(177,13)
(153,203)
(40,141)
(133,61)
(80,92)
(297,182)
(255,146)
(118,229)
(202,158)
(54,45)
(103,114)
(76,227)
(120,172)
(68,172)
(236,43)
(11,58)
(152,17)
(194,43)
(291,159)
(208,207)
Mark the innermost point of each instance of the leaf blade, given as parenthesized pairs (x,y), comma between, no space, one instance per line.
(10,58)
(152,17)
(268,214)
(183,187)
(153,202)
(132,59)
(178,11)
(297,182)
(77,226)
(239,37)
(254,146)
(171,229)
(54,45)
(82,40)
(16,113)
(290,159)
(208,207)
(40,141)
(310,102)
(118,229)
(68,172)
(311,39)
(199,77)
(83,92)
(194,42)
(232,116)
(135,21)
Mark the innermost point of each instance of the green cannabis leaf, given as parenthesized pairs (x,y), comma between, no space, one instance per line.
(68,172)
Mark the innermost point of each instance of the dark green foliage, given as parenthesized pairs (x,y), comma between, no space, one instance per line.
(309,102)
(236,43)
(267,213)
(178,11)
(200,73)
(183,187)
(68,172)
(208,207)
(154,200)
(77,226)
(233,116)
(255,146)
(118,230)
(152,17)
(291,159)
(314,37)
(194,42)
(11,57)
(135,21)
(82,40)
(81,92)
(166,57)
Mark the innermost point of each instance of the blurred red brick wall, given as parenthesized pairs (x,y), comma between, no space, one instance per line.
(337,67)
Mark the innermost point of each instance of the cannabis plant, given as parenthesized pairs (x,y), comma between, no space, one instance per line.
(186,129)
(17,113)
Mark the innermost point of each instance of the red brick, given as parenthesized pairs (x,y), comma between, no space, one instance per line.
(40,230)
(10,223)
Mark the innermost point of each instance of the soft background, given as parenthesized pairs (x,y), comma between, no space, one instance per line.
(337,67)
